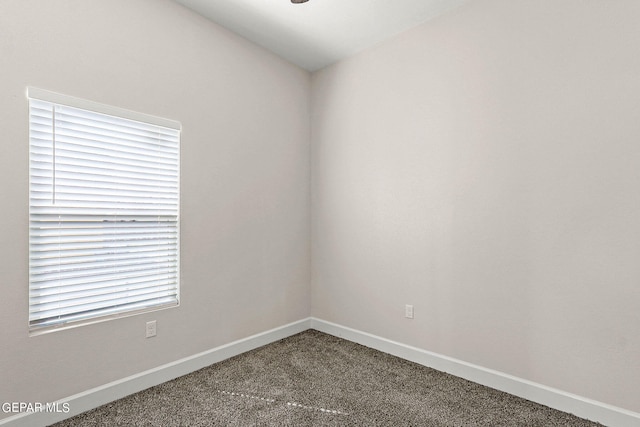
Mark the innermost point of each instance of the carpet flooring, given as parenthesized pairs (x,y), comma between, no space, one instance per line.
(315,379)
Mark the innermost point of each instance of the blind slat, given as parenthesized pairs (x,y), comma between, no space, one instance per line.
(80,305)
(41,322)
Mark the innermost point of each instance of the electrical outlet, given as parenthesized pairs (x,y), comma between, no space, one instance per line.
(151,329)
(408,311)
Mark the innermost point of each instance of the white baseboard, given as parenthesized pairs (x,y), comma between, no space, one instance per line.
(102,395)
(582,407)
(557,399)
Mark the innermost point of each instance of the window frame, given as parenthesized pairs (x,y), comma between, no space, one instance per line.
(103,109)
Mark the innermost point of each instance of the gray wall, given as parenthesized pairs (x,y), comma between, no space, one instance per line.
(245,181)
(485,167)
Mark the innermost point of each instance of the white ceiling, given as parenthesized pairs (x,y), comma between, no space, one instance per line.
(319,32)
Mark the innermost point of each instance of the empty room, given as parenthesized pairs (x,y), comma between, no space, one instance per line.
(322,212)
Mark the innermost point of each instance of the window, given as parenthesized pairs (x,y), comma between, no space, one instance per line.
(103,211)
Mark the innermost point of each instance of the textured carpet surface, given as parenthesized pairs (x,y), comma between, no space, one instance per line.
(314,379)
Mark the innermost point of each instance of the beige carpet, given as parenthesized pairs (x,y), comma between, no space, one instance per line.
(314,379)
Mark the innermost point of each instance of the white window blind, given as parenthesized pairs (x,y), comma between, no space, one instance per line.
(104,210)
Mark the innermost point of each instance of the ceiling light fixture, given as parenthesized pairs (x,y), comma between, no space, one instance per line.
(299,1)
